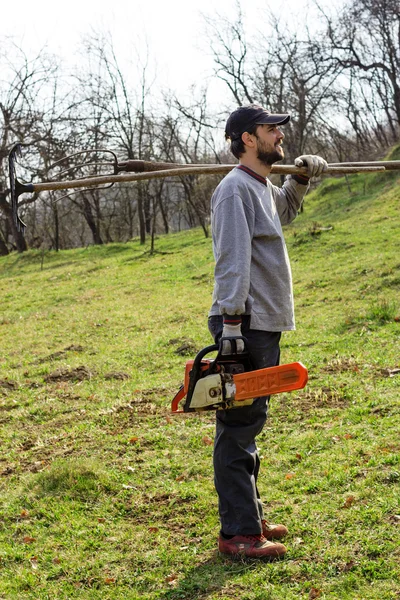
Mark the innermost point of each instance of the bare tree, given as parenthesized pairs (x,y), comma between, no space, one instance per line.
(28,107)
(186,136)
(230,51)
(291,77)
(127,127)
(364,40)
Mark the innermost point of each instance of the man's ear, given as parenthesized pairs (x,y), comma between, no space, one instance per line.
(248,139)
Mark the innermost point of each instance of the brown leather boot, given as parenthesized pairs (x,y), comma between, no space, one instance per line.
(251,546)
(273,532)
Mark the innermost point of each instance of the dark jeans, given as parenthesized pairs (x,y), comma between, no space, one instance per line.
(236,460)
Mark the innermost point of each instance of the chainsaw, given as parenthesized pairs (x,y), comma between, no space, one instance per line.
(230,381)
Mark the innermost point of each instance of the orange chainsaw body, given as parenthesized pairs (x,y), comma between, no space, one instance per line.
(242,386)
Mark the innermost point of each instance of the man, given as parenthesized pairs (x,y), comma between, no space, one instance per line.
(252,297)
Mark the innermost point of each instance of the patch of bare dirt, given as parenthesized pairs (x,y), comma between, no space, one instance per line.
(66,374)
(390,372)
(8,407)
(117,375)
(324,397)
(8,384)
(185,347)
(341,364)
(147,402)
(139,407)
(59,354)
(9,470)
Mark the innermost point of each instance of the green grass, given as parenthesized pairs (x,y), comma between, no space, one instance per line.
(105,494)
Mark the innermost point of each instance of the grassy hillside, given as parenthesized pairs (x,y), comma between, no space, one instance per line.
(105,494)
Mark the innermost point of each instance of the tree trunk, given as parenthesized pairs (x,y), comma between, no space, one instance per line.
(3,246)
(91,221)
(142,225)
(19,239)
(56,229)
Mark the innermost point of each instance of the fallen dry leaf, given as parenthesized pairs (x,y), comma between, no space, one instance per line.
(290,475)
(109,580)
(314,593)
(196,540)
(56,561)
(34,562)
(172,579)
(207,441)
(298,456)
(349,501)
(349,565)
(101,520)
(28,539)
(24,514)
(298,541)
(153,529)
(133,440)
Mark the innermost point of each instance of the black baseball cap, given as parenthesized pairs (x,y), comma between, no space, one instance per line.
(244,117)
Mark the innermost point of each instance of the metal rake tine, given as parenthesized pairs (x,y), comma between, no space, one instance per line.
(115,161)
(106,187)
(84,165)
(16,188)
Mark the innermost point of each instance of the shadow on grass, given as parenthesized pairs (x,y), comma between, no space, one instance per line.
(146,254)
(207,578)
(78,479)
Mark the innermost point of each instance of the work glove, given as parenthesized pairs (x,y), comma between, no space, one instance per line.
(315,164)
(232,331)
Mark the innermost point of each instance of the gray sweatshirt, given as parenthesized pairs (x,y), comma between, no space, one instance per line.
(252,270)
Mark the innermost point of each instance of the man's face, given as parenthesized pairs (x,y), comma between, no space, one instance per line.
(269,144)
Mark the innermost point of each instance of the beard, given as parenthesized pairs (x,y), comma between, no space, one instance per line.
(266,155)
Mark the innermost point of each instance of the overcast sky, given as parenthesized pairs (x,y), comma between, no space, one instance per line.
(174,30)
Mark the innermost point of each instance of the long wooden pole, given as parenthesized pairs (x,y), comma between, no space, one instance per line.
(140,166)
(180,171)
(390,165)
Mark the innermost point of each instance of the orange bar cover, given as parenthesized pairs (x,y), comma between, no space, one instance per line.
(272,380)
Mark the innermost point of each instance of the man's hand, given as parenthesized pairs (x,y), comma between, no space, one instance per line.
(315,164)
(232,331)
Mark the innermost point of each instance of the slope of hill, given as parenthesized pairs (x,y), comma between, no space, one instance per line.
(105,494)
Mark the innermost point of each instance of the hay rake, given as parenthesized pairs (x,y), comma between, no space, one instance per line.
(138,170)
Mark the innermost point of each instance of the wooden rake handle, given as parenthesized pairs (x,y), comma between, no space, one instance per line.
(182,171)
(143,166)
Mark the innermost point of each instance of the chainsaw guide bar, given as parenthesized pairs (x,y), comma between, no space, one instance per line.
(231,382)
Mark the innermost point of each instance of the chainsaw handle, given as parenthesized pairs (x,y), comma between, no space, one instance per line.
(232,340)
(195,372)
(203,353)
